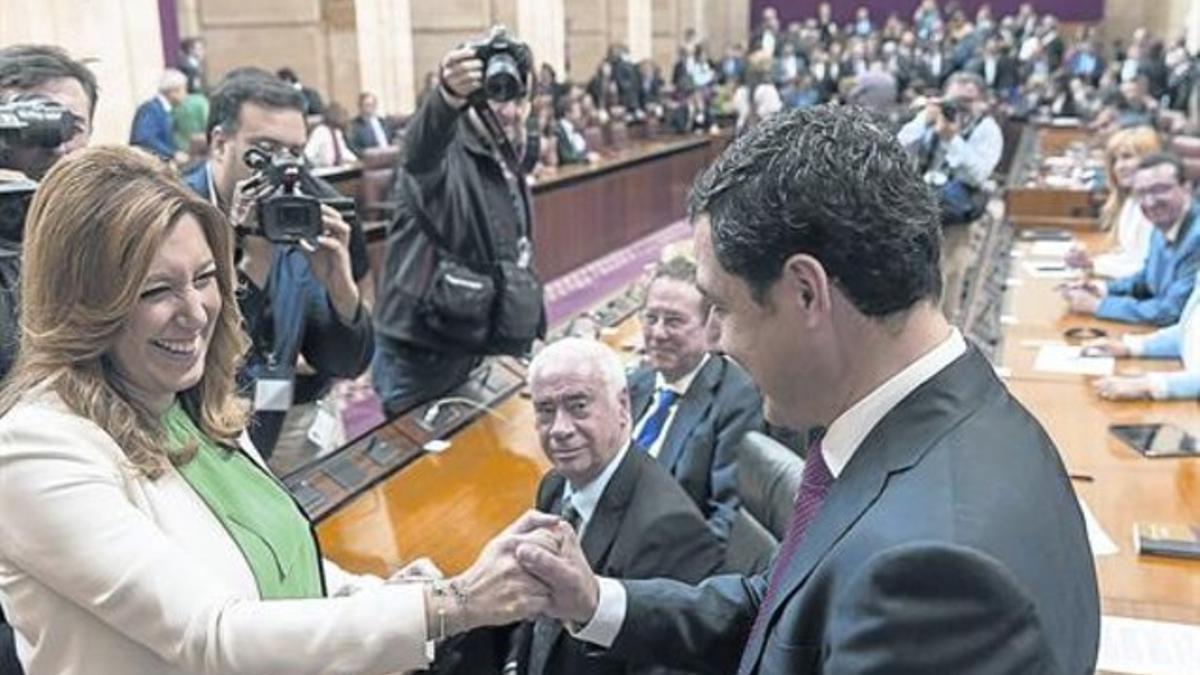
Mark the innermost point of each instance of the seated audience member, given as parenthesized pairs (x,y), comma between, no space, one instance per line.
(151,129)
(801,92)
(693,113)
(367,129)
(909,545)
(150,540)
(1122,214)
(633,521)
(650,86)
(568,133)
(1157,292)
(1178,341)
(957,144)
(296,299)
(757,98)
(327,144)
(691,407)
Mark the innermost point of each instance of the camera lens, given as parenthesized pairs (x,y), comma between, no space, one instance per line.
(502,81)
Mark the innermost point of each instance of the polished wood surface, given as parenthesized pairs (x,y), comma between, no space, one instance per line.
(1125,487)
(1030,201)
(447,505)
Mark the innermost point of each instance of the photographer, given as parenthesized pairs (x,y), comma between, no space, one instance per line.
(957,144)
(33,74)
(298,297)
(458,280)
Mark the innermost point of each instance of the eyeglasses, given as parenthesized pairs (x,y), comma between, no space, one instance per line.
(1154,192)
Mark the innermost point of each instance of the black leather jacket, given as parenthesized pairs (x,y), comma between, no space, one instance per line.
(451,175)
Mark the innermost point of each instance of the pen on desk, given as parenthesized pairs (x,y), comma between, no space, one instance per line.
(1083,477)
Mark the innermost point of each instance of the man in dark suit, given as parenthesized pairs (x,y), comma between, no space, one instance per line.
(368,130)
(151,129)
(935,530)
(633,520)
(691,407)
(997,68)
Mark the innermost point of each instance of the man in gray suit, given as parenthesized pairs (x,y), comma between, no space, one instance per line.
(691,407)
(935,530)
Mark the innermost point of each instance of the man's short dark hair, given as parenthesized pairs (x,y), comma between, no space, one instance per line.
(248,85)
(23,67)
(1159,158)
(683,269)
(832,183)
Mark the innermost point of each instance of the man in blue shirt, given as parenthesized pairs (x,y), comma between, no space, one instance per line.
(296,300)
(1158,292)
(151,128)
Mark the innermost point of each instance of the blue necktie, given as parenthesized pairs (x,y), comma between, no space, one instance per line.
(654,423)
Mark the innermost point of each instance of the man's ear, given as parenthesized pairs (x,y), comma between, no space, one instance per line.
(218,142)
(807,287)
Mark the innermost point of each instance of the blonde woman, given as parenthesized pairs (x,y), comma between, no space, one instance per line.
(1122,215)
(138,538)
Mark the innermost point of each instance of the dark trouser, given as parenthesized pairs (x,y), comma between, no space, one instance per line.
(405,376)
(9,665)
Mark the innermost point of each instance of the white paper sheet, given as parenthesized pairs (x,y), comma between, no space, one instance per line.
(1101,543)
(1049,270)
(1141,647)
(1068,359)
(1051,249)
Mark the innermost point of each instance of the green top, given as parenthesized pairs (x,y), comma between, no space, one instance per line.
(189,118)
(260,516)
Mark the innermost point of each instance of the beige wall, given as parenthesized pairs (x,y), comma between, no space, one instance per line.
(1163,19)
(316,38)
(385,54)
(719,23)
(120,38)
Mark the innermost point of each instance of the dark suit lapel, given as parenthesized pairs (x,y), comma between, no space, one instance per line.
(602,529)
(692,407)
(641,391)
(897,443)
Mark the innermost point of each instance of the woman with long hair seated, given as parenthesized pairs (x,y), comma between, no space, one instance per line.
(1122,214)
(139,535)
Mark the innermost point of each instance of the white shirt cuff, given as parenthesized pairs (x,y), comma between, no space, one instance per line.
(610,614)
(1158,386)
(1136,344)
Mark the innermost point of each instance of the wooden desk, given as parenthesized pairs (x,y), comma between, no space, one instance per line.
(448,505)
(585,211)
(1126,487)
(1030,200)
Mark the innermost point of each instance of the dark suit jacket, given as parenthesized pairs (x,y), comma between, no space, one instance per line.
(151,129)
(9,664)
(700,448)
(1007,76)
(644,526)
(360,137)
(952,542)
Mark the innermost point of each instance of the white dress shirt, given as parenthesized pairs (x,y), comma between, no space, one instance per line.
(840,442)
(320,147)
(1133,243)
(680,387)
(585,499)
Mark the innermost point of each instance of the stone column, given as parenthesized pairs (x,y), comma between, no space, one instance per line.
(385,53)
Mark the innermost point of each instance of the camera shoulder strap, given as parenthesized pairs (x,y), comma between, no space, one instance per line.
(509,155)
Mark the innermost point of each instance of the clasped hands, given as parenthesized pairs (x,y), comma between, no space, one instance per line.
(535,567)
(1083,297)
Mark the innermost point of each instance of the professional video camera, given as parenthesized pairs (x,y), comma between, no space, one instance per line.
(286,216)
(507,63)
(32,124)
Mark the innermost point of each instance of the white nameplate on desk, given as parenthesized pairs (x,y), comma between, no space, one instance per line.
(1049,270)
(1051,249)
(1070,359)
(1098,539)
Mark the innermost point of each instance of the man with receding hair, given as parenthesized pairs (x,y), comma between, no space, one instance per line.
(935,529)
(632,520)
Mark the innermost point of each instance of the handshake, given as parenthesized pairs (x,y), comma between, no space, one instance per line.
(535,567)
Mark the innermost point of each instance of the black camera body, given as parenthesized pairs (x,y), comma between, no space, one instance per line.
(507,63)
(15,197)
(35,123)
(952,110)
(284,216)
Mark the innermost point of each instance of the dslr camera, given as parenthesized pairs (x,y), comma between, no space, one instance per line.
(952,110)
(507,63)
(27,125)
(286,216)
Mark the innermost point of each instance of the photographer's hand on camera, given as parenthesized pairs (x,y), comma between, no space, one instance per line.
(330,262)
(461,75)
(257,252)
